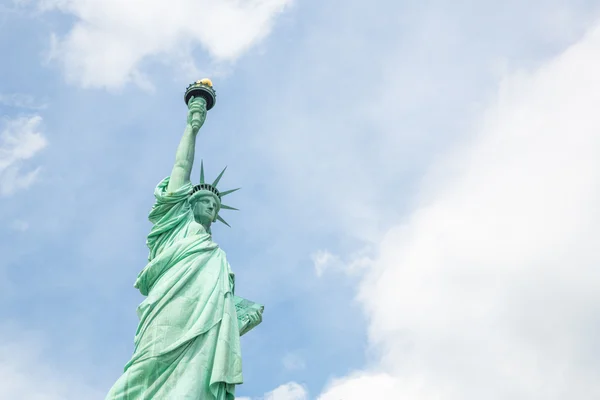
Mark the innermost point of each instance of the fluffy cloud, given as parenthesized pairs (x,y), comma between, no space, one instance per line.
(325,261)
(25,374)
(490,289)
(21,100)
(368,386)
(111,38)
(20,140)
(288,391)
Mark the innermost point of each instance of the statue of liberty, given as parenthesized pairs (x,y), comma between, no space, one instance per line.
(187,344)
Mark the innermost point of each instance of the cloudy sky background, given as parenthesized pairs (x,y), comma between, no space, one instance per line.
(419,211)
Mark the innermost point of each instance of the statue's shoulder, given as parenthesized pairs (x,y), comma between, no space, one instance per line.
(219,250)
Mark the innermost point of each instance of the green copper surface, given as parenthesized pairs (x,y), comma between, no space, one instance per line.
(187,344)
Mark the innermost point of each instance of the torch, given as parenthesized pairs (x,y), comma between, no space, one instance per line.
(201,89)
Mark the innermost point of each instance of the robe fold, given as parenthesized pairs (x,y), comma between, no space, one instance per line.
(187,344)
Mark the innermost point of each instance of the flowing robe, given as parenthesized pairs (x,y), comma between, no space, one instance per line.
(187,344)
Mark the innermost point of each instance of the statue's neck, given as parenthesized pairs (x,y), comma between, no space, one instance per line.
(204,228)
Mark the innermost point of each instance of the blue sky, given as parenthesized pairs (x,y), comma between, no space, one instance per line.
(404,213)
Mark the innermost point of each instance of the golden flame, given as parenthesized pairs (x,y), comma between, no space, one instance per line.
(205,81)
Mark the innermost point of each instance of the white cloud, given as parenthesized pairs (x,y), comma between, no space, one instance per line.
(111,38)
(25,374)
(325,261)
(21,100)
(20,140)
(288,391)
(374,386)
(491,288)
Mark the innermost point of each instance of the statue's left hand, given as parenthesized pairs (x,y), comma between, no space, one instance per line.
(255,318)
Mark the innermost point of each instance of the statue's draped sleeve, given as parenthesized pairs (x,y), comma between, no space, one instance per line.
(170,214)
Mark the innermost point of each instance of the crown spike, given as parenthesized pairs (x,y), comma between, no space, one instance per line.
(219,177)
(201,171)
(222,220)
(226,207)
(226,192)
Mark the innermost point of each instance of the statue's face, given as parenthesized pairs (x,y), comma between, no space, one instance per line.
(206,209)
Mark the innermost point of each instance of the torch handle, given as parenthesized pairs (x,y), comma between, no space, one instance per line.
(197,120)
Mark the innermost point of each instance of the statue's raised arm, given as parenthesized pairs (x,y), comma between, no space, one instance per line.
(184,158)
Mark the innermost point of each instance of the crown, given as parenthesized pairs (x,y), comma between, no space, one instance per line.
(212,188)
(205,186)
